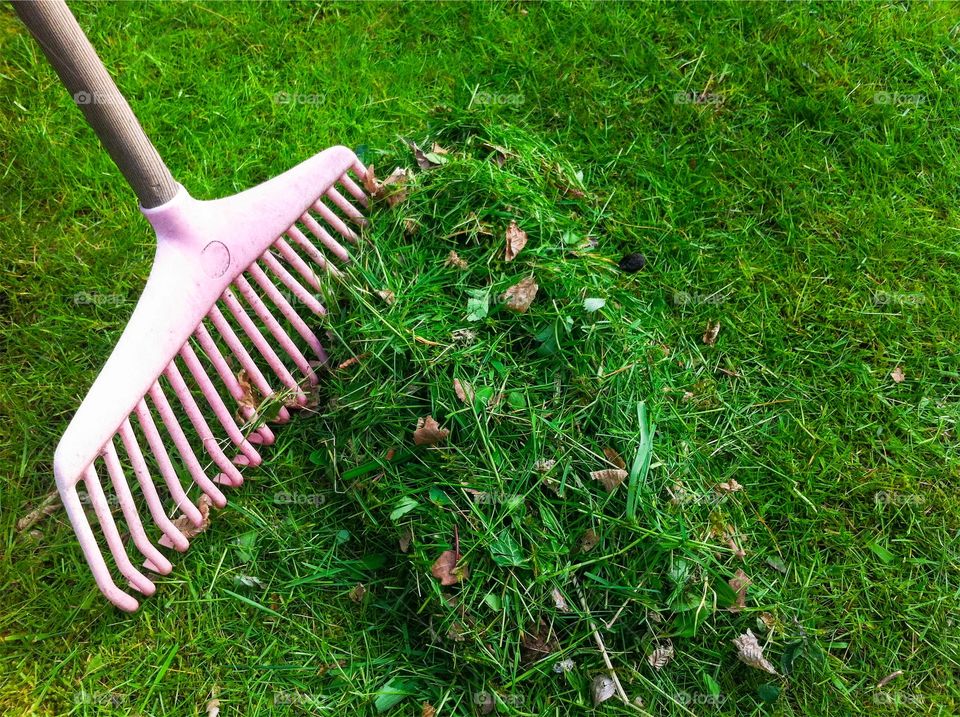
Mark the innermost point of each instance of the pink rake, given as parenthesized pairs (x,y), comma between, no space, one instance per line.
(215,273)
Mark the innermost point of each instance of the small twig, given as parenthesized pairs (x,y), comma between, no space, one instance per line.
(603,650)
(50,504)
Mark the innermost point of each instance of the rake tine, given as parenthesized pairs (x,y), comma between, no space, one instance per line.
(353,188)
(155,559)
(269,355)
(288,311)
(173,534)
(230,476)
(346,207)
(137,579)
(261,310)
(305,296)
(262,434)
(324,236)
(248,364)
(300,265)
(170,477)
(336,222)
(183,447)
(220,410)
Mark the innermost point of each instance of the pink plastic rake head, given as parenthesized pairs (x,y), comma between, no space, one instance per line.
(219,267)
(215,325)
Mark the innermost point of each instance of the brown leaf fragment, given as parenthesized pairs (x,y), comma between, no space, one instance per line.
(428,432)
(614,458)
(358,592)
(516,240)
(437,149)
(749,652)
(186,526)
(353,360)
(768,621)
(423,161)
(661,656)
(898,375)
(464,336)
(49,505)
(710,335)
(405,539)
(394,187)
(498,154)
(519,296)
(454,260)
(484,702)
(410,227)
(559,601)
(463,390)
(447,571)
(388,296)
(889,678)
(589,541)
(538,642)
(370,182)
(428,710)
(730,486)
(610,477)
(544,465)
(739,584)
(602,689)
(248,398)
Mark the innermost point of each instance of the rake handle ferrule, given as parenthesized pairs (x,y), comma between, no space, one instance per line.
(69,51)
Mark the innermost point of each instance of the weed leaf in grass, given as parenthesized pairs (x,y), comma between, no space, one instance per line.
(591,305)
(641,462)
(405,505)
(505,550)
(478,304)
(392,693)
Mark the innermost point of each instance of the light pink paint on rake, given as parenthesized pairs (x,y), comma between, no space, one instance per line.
(203,250)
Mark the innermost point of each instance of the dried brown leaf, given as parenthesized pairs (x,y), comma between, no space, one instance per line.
(428,432)
(730,486)
(186,526)
(388,296)
(353,360)
(394,187)
(661,656)
(898,375)
(358,592)
(370,182)
(544,465)
(614,458)
(49,505)
(249,397)
(464,336)
(589,541)
(559,601)
(454,260)
(437,149)
(447,571)
(519,296)
(405,539)
(710,335)
(516,240)
(428,710)
(749,652)
(610,477)
(463,390)
(538,642)
(602,688)
(739,584)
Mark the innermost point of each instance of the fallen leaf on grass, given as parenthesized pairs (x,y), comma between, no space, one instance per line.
(516,240)
(393,188)
(463,390)
(602,688)
(730,486)
(405,539)
(499,154)
(213,706)
(710,335)
(544,465)
(538,642)
(739,584)
(768,621)
(610,477)
(428,432)
(358,592)
(428,710)
(248,396)
(898,375)
(464,336)
(428,160)
(370,181)
(559,601)
(564,666)
(749,652)
(186,526)
(388,296)
(661,656)
(589,541)
(519,296)
(353,360)
(889,678)
(447,571)
(454,260)
(49,505)
(614,458)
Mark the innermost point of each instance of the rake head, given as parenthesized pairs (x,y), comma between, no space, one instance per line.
(216,263)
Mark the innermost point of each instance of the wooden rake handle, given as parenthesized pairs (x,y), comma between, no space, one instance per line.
(69,51)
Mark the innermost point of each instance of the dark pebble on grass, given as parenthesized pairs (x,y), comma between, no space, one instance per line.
(632,263)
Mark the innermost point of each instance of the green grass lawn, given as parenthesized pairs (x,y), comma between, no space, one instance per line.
(788,170)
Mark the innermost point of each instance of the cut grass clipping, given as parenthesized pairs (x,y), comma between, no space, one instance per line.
(489,437)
